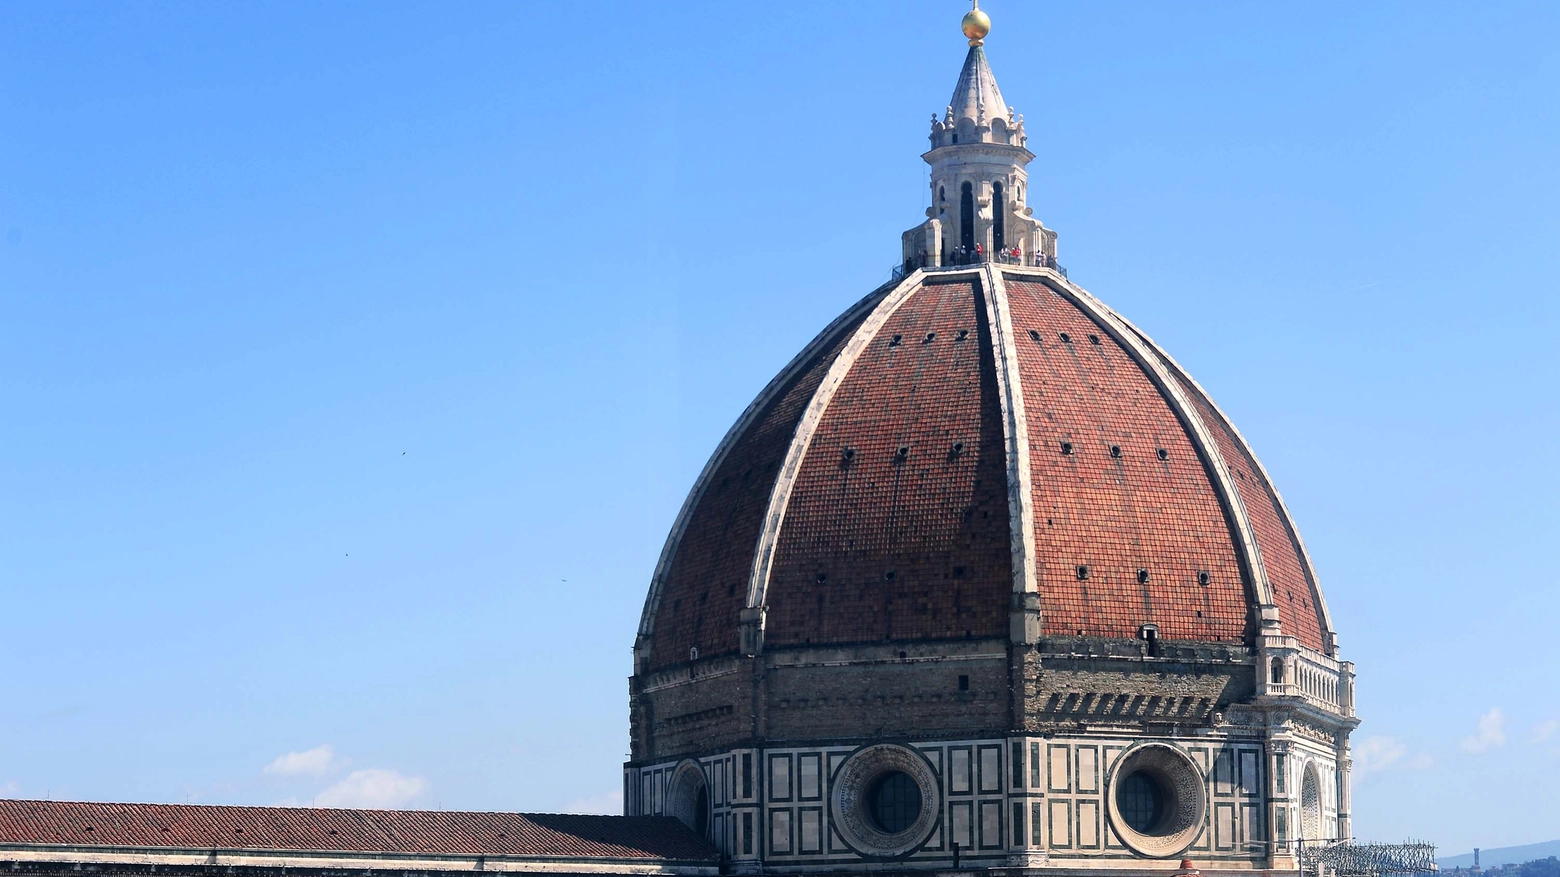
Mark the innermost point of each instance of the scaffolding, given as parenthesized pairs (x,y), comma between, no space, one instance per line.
(1347,858)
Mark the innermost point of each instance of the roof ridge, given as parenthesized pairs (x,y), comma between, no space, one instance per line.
(812,416)
(1150,360)
(776,385)
(1309,568)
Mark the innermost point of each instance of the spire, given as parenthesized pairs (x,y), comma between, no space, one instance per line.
(979,177)
(976,97)
(976,112)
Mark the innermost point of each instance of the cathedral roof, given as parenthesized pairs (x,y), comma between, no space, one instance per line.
(962,438)
(148,828)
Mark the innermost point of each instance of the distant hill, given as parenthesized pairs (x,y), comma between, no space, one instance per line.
(1503,855)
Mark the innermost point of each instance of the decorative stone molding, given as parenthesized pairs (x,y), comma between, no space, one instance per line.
(849,803)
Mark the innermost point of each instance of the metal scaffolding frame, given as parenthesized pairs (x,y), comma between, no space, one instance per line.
(1347,858)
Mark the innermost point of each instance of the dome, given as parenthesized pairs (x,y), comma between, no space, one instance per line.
(957,441)
(984,579)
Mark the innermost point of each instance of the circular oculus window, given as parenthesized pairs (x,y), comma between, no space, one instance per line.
(885,800)
(1157,800)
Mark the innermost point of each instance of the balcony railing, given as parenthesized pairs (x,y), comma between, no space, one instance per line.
(961,260)
(1308,675)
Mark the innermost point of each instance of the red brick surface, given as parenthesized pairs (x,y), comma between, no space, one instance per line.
(883,548)
(936,520)
(1117,515)
(706,581)
(318,829)
(1297,607)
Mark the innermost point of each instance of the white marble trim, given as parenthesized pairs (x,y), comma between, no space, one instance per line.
(1289,521)
(1145,356)
(1015,424)
(780,498)
(669,550)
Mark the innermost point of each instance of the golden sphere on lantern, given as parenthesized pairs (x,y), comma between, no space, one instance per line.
(976,25)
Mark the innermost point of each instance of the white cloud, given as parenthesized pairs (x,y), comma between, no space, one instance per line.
(1381,752)
(1377,753)
(606,804)
(1545,730)
(314,762)
(1490,733)
(373,787)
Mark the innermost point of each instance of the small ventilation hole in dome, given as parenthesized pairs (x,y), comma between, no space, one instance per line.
(1142,576)
(930,337)
(1115,451)
(1066,338)
(902,452)
(822,577)
(1033,335)
(958,572)
(963,334)
(1094,339)
(1202,577)
(1067,447)
(1162,454)
(848,454)
(888,575)
(894,342)
(1083,571)
(956,450)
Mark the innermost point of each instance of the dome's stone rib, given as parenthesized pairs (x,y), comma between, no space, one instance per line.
(769,420)
(1207,444)
(891,546)
(1286,556)
(780,496)
(1015,424)
(1298,615)
(1116,515)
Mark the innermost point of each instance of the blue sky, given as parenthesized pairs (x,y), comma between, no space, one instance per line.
(355,357)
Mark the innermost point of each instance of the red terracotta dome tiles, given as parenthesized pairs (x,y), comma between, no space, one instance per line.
(706,582)
(1116,515)
(887,546)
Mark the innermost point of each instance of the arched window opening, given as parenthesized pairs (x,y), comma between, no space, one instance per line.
(701,812)
(998,238)
(688,798)
(1310,806)
(1278,672)
(942,194)
(967,218)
